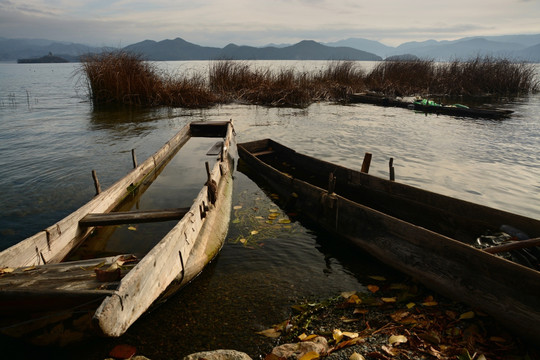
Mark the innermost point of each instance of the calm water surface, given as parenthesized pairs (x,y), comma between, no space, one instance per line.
(51,138)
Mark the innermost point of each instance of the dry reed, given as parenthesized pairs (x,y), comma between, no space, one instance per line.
(125,78)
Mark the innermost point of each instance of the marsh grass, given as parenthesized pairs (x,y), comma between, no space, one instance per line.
(125,78)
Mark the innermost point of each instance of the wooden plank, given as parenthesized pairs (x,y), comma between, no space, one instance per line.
(133,217)
(265,152)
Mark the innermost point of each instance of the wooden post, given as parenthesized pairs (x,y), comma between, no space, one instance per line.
(331,183)
(134,158)
(391,166)
(366,163)
(96,182)
(207,170)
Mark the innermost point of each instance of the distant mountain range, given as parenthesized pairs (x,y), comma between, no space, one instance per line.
(518,47)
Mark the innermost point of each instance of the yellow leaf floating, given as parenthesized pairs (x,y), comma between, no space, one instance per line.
(397,339)
(132,228)
(310,356)
(467,315)
(389,300)
(411,305)
(377,277)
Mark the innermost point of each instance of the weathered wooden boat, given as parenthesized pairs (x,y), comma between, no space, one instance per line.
(423,234)
(49,300)
(452,110)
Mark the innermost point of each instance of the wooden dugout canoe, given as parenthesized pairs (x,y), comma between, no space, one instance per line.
(423,234)
(49,300)
(487,113)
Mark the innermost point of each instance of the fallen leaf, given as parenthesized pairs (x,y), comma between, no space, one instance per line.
(29,268)
(360,311)
(389,350)
(373,288)
(356,356)
(389,300)
(310,356)
(236,221)
(350,335)
(410,305)
(132,228)
(123,351)
(254,232)
(354,299)
(259,217)
(430,303)
(271,333)
(347,320)
(348,294)
(284,221)
(243,241)
(467,315)
(337,335)
(237,207)
(305,337)
(377,277)
(6,270)
(397,339)
(273,210)
(497,339)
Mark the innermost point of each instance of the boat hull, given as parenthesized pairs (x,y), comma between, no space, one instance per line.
(444,264)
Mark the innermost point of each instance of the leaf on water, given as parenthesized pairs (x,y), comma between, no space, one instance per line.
(389,300)
(356,356)
(237,207)
(497,339)
(410,305)
(132,228)
(254,232)
(430,303)
(373,288)
(396,339)
(378,278)
(6,270)
(271,333)
(243,241)
(360,311)
(310,356)
(467,315)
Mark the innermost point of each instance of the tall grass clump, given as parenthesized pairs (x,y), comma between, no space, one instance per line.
(401,77)
(338,80)
(120,77)
(125,78)
(486,76)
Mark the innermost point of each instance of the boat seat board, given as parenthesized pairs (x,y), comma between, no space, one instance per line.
(133,217)
(71,276)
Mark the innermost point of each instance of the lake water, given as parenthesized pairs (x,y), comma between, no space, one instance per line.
(51,138)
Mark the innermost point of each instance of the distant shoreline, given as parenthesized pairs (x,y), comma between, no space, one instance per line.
(47,59)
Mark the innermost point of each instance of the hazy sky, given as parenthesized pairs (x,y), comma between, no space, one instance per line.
(258,22)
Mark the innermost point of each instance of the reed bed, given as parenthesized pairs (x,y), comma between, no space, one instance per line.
(125,78)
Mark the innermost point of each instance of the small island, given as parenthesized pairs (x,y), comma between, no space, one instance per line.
(47,59)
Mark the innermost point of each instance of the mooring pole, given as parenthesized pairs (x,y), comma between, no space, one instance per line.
(96,182)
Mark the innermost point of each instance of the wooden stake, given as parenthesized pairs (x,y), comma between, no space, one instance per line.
(366,163)
(134,158)
(207,170)
(331,183)
(96,182)
(391,166)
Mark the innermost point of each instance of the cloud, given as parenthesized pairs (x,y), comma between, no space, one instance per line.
(258,22)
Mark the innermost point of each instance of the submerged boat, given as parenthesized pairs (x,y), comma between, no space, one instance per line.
(431,107)
(429,236)
(48,298)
